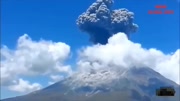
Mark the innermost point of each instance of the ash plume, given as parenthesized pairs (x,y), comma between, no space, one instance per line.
(101,22)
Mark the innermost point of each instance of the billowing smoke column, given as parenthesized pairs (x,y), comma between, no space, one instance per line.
(100,22)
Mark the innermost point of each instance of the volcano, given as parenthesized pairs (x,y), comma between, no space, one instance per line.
(133,84)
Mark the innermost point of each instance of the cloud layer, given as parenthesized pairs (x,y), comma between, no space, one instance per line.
(120,52)
(32,58)
(23,86)
(46,58)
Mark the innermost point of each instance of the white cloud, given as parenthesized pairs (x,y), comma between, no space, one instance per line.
(65,69)
(55,78)
(33,58)
(122,53)
(171,67)
(23,86)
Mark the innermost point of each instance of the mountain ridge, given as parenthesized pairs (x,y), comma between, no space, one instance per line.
(135,84)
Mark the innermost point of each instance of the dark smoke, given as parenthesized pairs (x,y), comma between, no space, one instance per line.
(101,22)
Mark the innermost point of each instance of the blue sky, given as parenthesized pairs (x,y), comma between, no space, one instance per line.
(56,21)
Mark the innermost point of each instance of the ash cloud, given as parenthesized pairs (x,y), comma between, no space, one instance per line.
(101,22)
